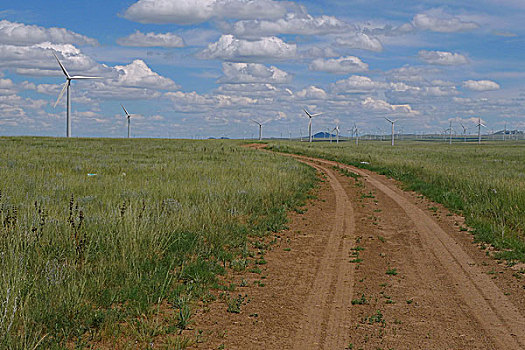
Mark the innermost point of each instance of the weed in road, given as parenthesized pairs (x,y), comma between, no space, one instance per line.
(391,271)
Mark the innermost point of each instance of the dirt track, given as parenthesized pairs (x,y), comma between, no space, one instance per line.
(369,266)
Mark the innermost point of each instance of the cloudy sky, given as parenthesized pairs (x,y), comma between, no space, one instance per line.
(201,68)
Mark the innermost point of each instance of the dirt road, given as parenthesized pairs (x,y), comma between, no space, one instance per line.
(369,266)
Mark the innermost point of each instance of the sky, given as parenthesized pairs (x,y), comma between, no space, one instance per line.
(207,68)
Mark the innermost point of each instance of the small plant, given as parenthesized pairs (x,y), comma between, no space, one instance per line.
(391,272)
(410,301)
(184,317)
(376,318)
(234,304)
(359,301)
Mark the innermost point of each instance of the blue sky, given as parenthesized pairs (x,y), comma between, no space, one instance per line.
(201,68)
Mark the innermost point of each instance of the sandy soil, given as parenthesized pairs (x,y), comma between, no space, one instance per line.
(369,266)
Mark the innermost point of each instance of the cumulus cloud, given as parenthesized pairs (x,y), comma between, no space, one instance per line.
(481,85)
(383,106)
(356,84)
(139,39)
(292,23)
(361,41)
(439,21)
(442,58)
(230,48)
(341,65)
(198,11)
(38,60)
(312,93)
(241,73)
(138,74)
(20,34)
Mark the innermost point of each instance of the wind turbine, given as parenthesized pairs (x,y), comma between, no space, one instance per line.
(336,129)
(392,122)
(479,125)
(129,120)
(310,116)
(450,133)
(260,128)
(505,131)
(464,133)
(67,85)
(356,131)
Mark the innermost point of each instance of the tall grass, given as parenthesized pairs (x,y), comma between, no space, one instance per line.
(94,232)
(485,183)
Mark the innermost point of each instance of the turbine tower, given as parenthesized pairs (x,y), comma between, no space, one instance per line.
(129,120)
(310,116)
(356,131)
(392,122)
(67,85)
(479,125)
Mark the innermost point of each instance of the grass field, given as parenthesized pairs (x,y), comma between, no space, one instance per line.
(485,183)
(94,232)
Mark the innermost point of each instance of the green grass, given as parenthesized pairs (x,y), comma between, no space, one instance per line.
(485,183)
(160,219)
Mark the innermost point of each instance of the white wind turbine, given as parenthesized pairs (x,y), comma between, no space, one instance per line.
(392,122)
(336,129)
(464,133)
(356,131)
(310,116)
(260,127)
(129,120)
(479,125)
(67,85)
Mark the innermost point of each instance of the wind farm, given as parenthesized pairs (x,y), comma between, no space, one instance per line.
(262,175)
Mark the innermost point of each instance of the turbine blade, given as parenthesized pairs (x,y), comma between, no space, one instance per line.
(389,120)
(308,114)
(78,77)
(61,94)
(125,110)
(315,115)
(62,66)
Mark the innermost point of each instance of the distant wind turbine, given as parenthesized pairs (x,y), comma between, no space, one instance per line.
(260,128)
(129,120)
(337,133)
(67,85)
(479,125)
(392,122)
(464,133)
(356,131)
(310,116)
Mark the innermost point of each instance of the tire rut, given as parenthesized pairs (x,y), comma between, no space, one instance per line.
(326,317)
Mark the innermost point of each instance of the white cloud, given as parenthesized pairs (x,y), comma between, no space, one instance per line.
(361,41)
(341,65)
(230,48)
(439,21)
(198,11)
(293,23)
(241,73)
(20,34)
(481,85)
(442,58)
(38,60)
(383,106)
(357,83)
(139,39)
(138,74)
(312,93)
